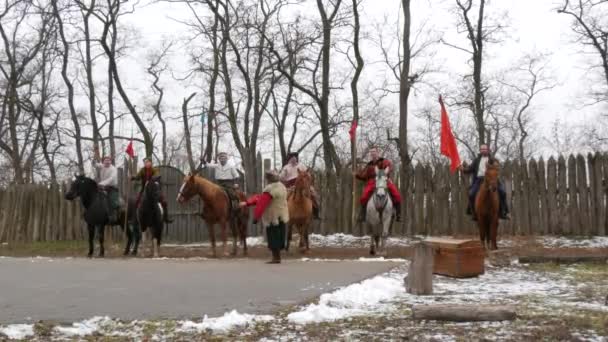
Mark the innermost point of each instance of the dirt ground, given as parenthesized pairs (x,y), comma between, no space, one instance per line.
(510,246)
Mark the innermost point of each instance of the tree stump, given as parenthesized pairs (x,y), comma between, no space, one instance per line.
(419,280)
(463,313)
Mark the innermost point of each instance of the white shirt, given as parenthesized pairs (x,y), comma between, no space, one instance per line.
(290,172)
(108,176)
(483,164)
(224,172)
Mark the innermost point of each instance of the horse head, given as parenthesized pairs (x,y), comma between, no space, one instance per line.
(152,189)
(380,194)
(81,186)
(304,180)
(188,188)
(491,176)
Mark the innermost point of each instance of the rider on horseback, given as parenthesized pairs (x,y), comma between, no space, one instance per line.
(288,176)
(368,174)
(144,175)
(478,170)
(108,182)
(226,176)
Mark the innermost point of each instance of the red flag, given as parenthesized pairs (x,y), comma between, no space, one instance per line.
(353,130)
(448,143)
(129,150)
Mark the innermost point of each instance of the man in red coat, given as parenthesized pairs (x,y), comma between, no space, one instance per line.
(368,174)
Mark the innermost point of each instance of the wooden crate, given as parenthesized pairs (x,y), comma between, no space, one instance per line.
(457,258)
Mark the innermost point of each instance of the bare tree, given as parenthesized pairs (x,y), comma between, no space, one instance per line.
(157,65)
(109,16)
(592,31)
(22,41)
(187,131)
(478,34)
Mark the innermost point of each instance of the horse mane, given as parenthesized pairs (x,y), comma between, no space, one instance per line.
(302,190)
(205,188)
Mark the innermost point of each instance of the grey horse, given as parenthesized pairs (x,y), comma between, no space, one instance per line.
(379,214)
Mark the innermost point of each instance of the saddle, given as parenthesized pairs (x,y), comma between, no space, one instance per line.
(233,198)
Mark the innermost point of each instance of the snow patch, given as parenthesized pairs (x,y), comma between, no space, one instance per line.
(360,298)
(569,242)
(224,323)
(86,327)
(18,331)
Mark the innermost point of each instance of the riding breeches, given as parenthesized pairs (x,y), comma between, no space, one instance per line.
(368,191)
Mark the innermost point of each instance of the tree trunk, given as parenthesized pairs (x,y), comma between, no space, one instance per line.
(187,131)
(64,74)
(463,313)
(404,93)
(355,93)
(89,72)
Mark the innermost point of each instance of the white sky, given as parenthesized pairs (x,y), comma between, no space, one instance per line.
(533,26)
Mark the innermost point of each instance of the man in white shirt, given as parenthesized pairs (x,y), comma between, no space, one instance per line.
(108,182)
(478,171)
(226,175)
(288,176)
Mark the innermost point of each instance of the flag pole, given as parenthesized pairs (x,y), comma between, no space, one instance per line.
(128,163)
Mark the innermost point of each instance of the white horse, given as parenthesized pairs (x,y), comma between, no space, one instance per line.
(379,214)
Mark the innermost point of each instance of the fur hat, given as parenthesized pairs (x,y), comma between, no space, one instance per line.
(292,155)
(106,157)
(272,176)
(148,159)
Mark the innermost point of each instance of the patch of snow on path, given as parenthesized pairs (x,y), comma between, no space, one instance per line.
(17,331)
(224,323)
(355,299)
(86,327)
(563,242)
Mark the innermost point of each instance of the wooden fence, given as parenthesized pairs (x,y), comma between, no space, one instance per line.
(563,196)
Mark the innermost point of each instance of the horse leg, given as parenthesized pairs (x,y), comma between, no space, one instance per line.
(482,230)
(493,233)
(224,240)
(289,230)
(372,249)
(235,235)
(243,228)
(137,233)
(158,237)
(129,233)
(101,230)
(307,234)
(212,236)
(91,239)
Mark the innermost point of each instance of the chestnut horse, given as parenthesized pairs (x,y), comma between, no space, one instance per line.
(299,205)
(486,206)
(217,209)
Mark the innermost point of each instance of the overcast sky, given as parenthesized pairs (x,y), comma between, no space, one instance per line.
(533,26)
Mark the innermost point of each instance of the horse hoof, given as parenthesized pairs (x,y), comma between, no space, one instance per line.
(90,255)
(134,253)
(372,253)
(125,253)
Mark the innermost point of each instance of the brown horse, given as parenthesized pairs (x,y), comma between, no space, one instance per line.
(486,206)
(217,210)
(299,205)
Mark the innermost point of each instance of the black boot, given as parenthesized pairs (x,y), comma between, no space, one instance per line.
(362,213)
(276,257)
(398,212)
(166,213)
(315,213)
(503,212)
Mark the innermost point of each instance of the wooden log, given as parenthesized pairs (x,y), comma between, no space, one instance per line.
(562,196)
(583,196)
(573,209)
(507,178)
(419,199)
(533,200)
(567,259)
(463,313)
(552,211)
(542,197)
(419,280)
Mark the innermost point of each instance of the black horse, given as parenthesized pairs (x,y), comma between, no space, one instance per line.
(96,215)
(150,213)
